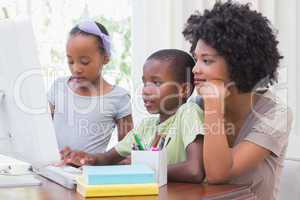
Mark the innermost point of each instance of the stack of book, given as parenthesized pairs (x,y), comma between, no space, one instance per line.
(117,180)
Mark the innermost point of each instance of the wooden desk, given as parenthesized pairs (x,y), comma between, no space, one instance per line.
(173,191)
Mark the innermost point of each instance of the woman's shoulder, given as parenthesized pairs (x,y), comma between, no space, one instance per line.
(271,107)
(268,124)
(271,117)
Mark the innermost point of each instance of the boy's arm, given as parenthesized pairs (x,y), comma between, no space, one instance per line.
(192,169)
(124,125)
(80,158)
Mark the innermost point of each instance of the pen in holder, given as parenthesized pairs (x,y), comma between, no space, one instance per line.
(155,156)
(157,160)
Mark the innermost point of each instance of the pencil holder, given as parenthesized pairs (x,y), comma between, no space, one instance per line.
(157,160)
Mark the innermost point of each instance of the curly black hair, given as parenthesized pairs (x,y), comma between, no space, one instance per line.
(243,37)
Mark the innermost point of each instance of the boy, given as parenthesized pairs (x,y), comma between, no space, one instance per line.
(168,82)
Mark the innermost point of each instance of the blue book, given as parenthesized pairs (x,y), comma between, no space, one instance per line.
(118,174)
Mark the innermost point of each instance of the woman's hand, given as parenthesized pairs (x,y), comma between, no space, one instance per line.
(77,158)
(214,89)
(214,92)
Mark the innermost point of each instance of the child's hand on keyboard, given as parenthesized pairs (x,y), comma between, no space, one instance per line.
(77,158)
(65,153)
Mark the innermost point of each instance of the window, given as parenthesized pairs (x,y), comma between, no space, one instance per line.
(52,20)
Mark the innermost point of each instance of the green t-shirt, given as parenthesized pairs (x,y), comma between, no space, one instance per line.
(182,128)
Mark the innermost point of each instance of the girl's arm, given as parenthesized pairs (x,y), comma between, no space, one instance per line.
(220,161)
(124,125)
(80,158)
(190,170)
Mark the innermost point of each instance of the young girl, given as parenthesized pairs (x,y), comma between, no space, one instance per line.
(85,108)
(246,128)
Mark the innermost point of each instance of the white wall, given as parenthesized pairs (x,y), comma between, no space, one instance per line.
(288,22)
(158,24)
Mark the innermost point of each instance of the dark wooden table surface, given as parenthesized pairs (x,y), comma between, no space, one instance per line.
(173,191)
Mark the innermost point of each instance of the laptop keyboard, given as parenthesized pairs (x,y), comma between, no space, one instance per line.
(63,175)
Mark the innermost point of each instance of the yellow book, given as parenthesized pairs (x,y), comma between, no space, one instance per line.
(115,190)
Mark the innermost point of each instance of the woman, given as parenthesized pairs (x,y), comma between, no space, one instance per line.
(246,127)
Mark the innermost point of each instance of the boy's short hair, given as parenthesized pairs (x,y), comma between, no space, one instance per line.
(180,62)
